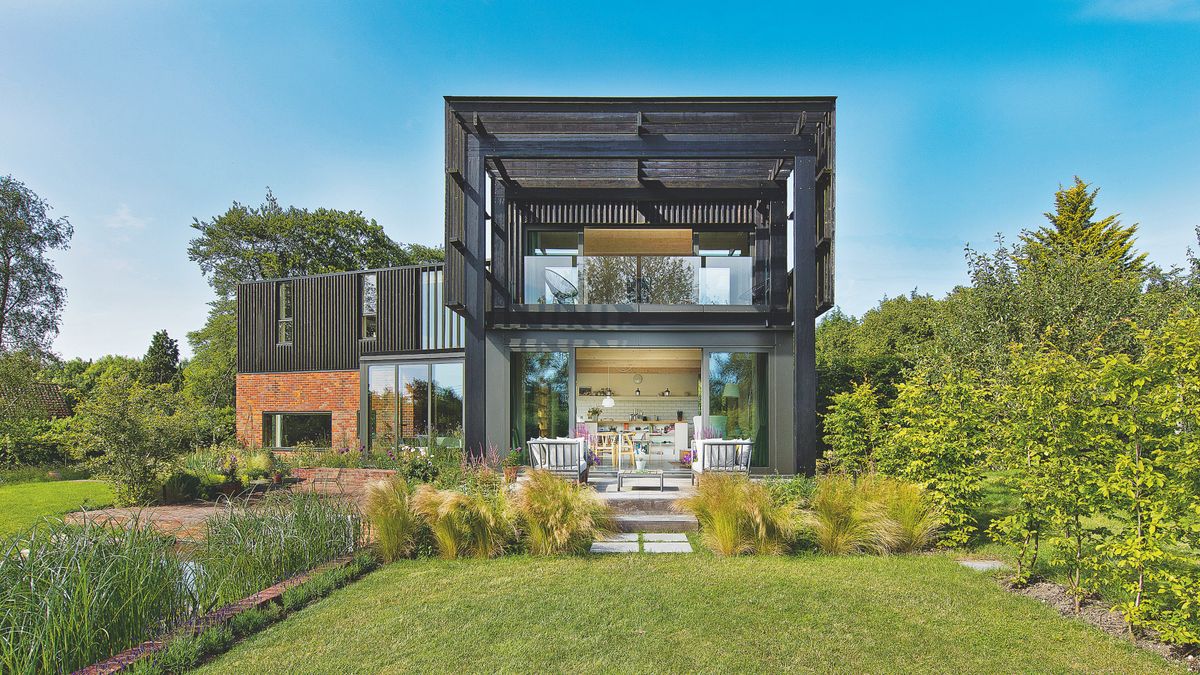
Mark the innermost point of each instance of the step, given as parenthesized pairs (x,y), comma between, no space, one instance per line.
(655,523)
(656,503)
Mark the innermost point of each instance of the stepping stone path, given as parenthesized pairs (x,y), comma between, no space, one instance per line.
(650,542)
(982,565)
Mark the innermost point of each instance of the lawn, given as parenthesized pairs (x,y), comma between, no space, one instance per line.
(681,613)
(24,504)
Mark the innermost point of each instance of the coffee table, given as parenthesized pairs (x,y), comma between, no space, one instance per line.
(625,474)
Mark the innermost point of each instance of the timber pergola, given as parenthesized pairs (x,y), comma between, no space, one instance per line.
(703,152)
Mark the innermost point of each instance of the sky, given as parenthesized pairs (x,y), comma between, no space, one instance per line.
(955,121)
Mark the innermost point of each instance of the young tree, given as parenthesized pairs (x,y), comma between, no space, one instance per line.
(853,430)
(31,295)
(938,435)
(129,433)
(269,241)
(1073,231)
(160,365)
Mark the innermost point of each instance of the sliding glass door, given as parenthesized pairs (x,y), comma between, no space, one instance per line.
(541,395)
(413,404)
(737,400)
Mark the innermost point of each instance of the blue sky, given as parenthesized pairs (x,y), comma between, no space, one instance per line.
(954,123)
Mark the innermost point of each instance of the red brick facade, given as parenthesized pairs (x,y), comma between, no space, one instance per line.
(332,391)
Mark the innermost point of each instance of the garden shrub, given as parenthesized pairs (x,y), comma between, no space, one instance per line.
(180,488)
(738,516)
(559,516)
(30,441)
(792,490)
(394,523)
(853,428)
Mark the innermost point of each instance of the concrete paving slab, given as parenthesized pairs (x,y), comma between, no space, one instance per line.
(615,547)
(621,536)
(665,536)
(667,547)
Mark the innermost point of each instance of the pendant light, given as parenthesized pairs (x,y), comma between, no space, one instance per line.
(608,401)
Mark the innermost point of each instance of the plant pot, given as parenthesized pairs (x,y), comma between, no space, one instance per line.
(229,488)
(277,477)
(510,473)
(640,462)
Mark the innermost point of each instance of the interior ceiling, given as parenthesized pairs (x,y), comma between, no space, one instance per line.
(637,360)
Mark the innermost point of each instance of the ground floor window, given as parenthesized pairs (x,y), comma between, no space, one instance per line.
(288,430)
(737,399)
(414,404)
(541,393)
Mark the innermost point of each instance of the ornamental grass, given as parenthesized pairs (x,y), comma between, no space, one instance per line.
(559,516)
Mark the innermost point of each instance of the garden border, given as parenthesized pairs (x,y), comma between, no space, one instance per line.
(218,617)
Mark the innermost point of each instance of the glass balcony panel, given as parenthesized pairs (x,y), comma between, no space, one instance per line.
(669,280)
(610,280)
(727,281)
(551,280)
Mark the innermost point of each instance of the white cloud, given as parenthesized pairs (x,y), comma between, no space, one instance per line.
(1142,10)
(124,219)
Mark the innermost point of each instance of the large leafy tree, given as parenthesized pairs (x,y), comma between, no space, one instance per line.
(269,241)
(31,293)
(1074,230)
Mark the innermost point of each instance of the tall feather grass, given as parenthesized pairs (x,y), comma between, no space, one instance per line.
(72,595)
(462,524)
(738,516)
(559,516)
(394,523)
(873,514)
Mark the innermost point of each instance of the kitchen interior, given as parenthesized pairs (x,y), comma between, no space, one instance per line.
(645,395)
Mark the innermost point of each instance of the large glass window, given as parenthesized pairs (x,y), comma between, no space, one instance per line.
(414,404)
(283,307)
(287,430)
(737,398)
(541,396)
(662,266)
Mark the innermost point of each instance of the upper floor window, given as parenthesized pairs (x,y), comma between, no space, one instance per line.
(368,291)
(640,265)
(283,306)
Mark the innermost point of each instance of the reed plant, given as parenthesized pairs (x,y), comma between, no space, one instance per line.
(738,516)
(462,524)
(559,516)
(906,510)
(71,595)
(246,548)
(394,524)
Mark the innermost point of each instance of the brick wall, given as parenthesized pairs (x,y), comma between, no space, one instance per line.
(332,391)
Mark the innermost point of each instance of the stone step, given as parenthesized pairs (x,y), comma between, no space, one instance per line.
(676,522)
(633,503)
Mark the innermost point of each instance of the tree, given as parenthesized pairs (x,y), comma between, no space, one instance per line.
(31,295)
(160,365)
(853,430)
(1073,230)
(210,377)
(269,241)
(129,432)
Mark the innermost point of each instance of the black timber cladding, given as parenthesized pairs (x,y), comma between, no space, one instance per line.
(327,321)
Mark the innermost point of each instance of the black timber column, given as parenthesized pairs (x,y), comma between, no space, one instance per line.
(777,275)
(804,294)
(475,301)
(501,253)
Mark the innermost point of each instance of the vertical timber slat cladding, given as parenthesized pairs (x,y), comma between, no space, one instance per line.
(456,205)
(327,321)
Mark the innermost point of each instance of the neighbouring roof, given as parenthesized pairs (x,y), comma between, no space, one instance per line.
(42,399)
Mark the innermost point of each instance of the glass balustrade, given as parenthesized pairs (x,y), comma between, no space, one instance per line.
(654,280)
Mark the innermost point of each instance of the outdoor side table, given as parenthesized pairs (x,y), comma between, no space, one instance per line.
(626,474)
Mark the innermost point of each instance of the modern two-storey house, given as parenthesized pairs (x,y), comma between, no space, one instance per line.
(649,266)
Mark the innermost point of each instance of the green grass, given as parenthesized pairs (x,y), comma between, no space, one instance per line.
(681,613)
(24,504)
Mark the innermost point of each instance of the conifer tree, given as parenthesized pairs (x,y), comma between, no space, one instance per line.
(1073,230)
(161,363)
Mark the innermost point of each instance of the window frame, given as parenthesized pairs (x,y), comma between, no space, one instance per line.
(363,333)
(395,363)
(284,313)
(281,431)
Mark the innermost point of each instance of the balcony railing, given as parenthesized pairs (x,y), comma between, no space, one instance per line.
(656,280)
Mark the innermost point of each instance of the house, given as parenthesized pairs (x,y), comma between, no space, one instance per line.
(650,268)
